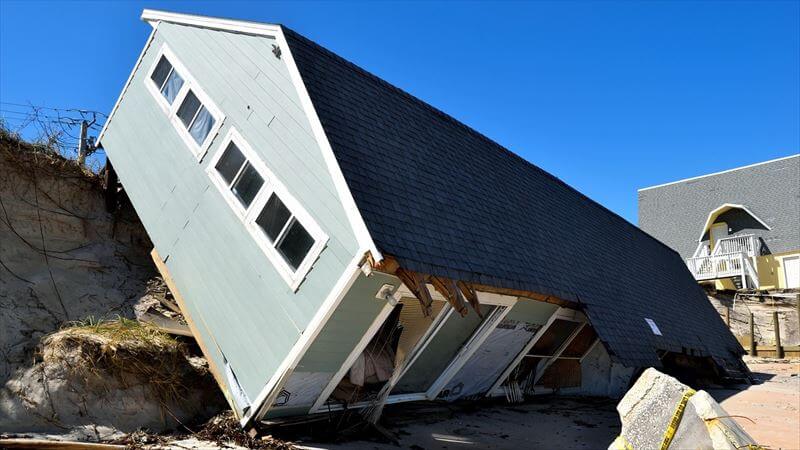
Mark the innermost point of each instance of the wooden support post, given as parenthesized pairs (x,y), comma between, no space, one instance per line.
(798,309)
(728,316)
(752,336)
(777,325)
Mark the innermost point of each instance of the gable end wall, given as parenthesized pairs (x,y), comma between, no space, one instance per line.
(245,309)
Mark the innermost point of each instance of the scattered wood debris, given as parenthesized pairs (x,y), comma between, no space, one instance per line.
(224,429)
(159,308)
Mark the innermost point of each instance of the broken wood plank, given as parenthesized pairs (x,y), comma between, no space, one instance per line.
(448,289)
(166,324)
(44,444)
(418,286)
(471,295)
(390,265)
(212,366)
(527,294)
(171,305)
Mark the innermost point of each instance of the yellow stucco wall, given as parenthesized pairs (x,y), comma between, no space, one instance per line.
(770,270)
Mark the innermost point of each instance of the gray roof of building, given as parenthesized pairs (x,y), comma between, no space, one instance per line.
(676,212)
(445,200)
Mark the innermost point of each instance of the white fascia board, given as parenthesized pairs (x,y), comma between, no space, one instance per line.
(127,83)
(363,237)
(214,23)
(728,206)
(719,173)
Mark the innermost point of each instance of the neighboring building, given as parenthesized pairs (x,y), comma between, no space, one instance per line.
(334,241)
(737,229)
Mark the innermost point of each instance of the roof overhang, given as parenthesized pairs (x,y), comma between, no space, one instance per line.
(153,16)
(714,214)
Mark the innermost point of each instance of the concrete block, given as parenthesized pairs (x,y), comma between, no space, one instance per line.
(650,405)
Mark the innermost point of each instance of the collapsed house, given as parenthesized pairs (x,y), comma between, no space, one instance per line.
(335,242)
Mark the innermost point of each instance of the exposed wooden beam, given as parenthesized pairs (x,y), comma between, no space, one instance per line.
(390,265)
(471,295)
(418,285)
(450,291)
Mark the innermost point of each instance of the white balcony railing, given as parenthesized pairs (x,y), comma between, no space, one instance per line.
(745,243)
(726,265)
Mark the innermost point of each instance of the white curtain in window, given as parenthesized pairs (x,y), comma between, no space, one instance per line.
(202,125)
(172,86)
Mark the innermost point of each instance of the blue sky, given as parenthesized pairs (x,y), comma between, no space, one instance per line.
(608,96)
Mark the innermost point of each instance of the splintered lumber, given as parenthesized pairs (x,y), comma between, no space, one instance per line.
(417,284)
(471,295)
(166,324)
(44,444)
(390,265)
(448,289)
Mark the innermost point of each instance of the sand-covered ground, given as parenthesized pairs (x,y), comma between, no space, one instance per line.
(769,410)
(772,406)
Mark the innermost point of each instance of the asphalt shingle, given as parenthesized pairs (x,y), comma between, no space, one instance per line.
(445,200)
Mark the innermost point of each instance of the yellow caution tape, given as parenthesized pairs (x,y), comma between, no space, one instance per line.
(676,419)
(620,443)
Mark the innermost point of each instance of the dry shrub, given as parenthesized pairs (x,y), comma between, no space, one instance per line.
(127,351)
(44,157)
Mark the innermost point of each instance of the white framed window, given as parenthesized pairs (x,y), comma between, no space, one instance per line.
(195,117)
(287,234)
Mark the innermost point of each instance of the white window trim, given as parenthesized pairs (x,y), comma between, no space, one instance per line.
(783,268)
(503,304)
(189,83)
(249,215)
(473,343)
(560,314)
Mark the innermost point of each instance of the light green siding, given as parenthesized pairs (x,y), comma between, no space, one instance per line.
(233,293)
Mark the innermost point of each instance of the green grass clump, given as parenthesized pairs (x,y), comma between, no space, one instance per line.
(128,351)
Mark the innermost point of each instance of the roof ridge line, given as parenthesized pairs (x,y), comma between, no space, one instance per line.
(721,172)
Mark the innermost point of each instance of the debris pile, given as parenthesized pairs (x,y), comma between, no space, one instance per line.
(221,431)
(661,412)
(225,429)
(159,308)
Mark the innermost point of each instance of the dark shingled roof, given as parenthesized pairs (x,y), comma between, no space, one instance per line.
(445,200)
